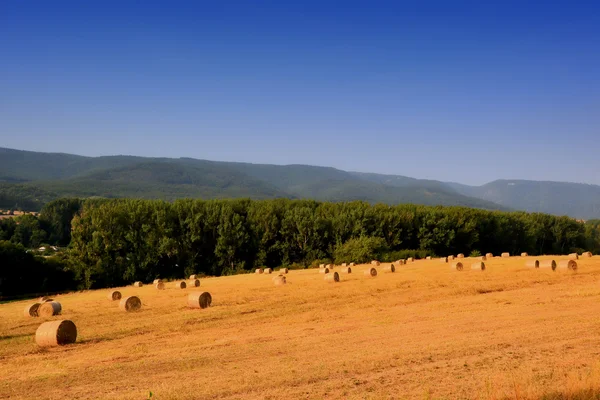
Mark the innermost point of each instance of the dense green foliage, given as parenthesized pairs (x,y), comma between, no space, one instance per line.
(124,240)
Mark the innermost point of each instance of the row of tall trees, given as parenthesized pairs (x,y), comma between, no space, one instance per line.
(118,241)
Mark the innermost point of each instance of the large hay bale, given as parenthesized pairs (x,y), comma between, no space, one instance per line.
(193,277)
(279,280)
(138,284)
(478,266)
(532,264)
(268,270)
(258,271)
(332,277)
(524,254)
(323,270)
(56,333)
(573,256)
(410,259)
(371,272)
(49,309)
(548,264)
(375,262)
(505,255)
(587,254)
(428,258)
(391,268)
(283,270)
(131,303)
(160,286)
(31,310)
(567,264)
(347,270)
(157,281)
(199,300)
(457,266)
(195,283)
(489,255)
(114,295)
(460,255)
(180,285)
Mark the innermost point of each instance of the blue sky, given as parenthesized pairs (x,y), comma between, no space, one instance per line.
(450,90)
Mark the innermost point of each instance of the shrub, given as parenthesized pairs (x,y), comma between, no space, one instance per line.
(360,250)
(404,254)
(475,253)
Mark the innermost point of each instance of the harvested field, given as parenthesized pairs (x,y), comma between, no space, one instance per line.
(424,332)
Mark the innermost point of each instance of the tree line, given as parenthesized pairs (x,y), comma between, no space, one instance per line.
(114,242)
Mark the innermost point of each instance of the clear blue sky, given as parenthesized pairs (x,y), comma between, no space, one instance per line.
(449,90)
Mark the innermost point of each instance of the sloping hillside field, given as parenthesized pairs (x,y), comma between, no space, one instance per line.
(426,331)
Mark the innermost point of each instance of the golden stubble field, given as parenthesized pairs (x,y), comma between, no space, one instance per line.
(424,332)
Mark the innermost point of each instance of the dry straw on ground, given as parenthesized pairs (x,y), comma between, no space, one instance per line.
(56,333)
(505,255)
(195,283)
(258,271)
(332,277)
(457,266)
(567,264)
(478,266)
(371,272)
(391,268)
(180,285)
(31,310)
(199,300)
(532,264)
(131,303)
(49,309)
(279,280)
(160,285)
(138,284)
(114,295)
(347,270)
(548,264)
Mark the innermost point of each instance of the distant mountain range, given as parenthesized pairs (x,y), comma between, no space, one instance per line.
(30,179)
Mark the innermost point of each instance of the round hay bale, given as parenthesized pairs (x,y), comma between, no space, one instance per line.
(587,254)
(268,270)
(344,265)
(193,277)
(532,264)
(195,283)
(157,281)
(573,256)
(321,265)
(428,258)
(160,286)
(283,270)
(460,255)
(352,264)
(567,264)
(375,262)
(524,254)
(478,266)
(138,284)
(548,264)
(371,272)
(258,271)
(332,277)
(56,333)
(410,259)
(180,285)
(505,255)
(483,258)
(114,295)
(347,270)
(199,300)
(44,299)
(31,310)
(450,258)
(489,255)
(323,270)
(457,266)
(131,303)
(391,268)
(444,259)
(279,280)
(49,309)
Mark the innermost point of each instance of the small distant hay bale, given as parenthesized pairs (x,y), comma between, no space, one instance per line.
(45,299)
(157,281)
(283,270)
(56,333)
(483,258)
(450,258)
(567,264)
(573,256)
(457,266)
(410,259)
(444,259)
(195,283)
(138,284)
(49,309)
(478,266)
(323,270)
(524,254)
(505,255)
(193,277)
(199,300)
(375,262)
(548,264)
(587,254)
(180,285)
(131,303)
(371,272)
(489,255)
(428,258)
(268,270)
(332,277)
(352,264)
(31,310)
(258,271)
(347,270)
(460,255)
(532,264)
(344,265)
(160,285)
(114,295)
(279,280)
(391,268)
(321,265)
